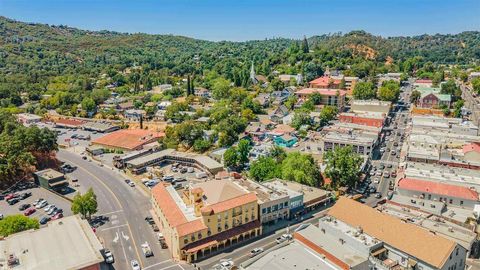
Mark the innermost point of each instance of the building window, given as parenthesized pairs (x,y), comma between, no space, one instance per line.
(285,204)
(451,201)
(209,233)
(192,238)
(219,229)
(246,219)
(461,202)
(199,236)
(264,210)
(219,218)
(185,241)
(226,226)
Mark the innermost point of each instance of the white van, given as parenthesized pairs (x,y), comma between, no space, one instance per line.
(201,175)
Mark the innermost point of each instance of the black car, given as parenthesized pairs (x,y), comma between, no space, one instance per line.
(13,201)
(127,181)
(24,207)
(44,220)
(25,195)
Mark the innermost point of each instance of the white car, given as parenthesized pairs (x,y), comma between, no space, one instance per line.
(109,257)
(46,209)
(132,184)
(226,265)
(135,265)
(41,204)
(50,212)
(254,252)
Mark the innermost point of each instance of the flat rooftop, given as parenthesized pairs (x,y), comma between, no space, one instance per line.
(442,173)
(282,186)
(264,192)
(294,256)
(49,174)
(354,137)
(310,194)
(171,153)
(67,243)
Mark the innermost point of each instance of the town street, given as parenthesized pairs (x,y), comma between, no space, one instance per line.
(124,209)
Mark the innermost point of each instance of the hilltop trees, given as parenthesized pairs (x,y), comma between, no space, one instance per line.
(22,149)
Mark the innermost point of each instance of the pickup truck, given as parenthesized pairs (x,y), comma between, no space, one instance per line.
(147,251)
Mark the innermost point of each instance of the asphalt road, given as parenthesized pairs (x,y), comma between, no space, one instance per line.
(240,254)
(398,124)
(124,209)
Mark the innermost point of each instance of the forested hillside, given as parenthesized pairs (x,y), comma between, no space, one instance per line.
(36,59)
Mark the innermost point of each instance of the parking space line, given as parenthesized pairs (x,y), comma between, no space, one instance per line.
(162,262)
(181,267)
(114,227)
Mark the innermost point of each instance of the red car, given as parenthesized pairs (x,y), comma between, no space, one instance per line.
(11,196)
(57,216)
(29,211)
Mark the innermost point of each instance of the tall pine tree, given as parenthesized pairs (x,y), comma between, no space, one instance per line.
(192,87)
(188,85)
(305,48)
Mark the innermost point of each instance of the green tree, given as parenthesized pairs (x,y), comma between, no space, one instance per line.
(305,47)
(230,157)
(343,166)
(278,153)
(327,114)
(389,91)
(457,112)
(201,145)
(300,118)
(364,90)
(302,169)
(243,148)
(220,88)
(85,205)
(451,88)
(265,168)
(17,223)
(88,104)
(316,98)
(476,85)
(415,96)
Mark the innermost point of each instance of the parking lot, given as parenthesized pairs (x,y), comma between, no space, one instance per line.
(37,193)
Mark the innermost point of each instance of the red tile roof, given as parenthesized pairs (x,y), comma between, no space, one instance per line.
(229,204)
(323,81)
(323,92)
(475,146)
(130,139)
(173,214)
(438,188)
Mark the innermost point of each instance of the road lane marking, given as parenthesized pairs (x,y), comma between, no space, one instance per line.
(124,252)
(114,227)
(181,267)
(118,202)
(115,240)
(109,213)
(168,267)
(125,236)
(162,262)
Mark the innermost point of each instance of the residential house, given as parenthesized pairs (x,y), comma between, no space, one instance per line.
(332,97)
(134,114)
(278,114)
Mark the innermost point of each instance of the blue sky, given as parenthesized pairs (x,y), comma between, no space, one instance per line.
(252,19)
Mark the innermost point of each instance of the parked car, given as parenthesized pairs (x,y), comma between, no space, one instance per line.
(25,195)
(108,256)
(47,208)
(37,201)
(23,207)
(29,211)
(44,220)
(254,252)
(283,238)
(378,195)
(13,201)
(57,216)
(41,204)
(132,184)
(147,251)
(135,265)
(226,265)
(11,196)
(51,211)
